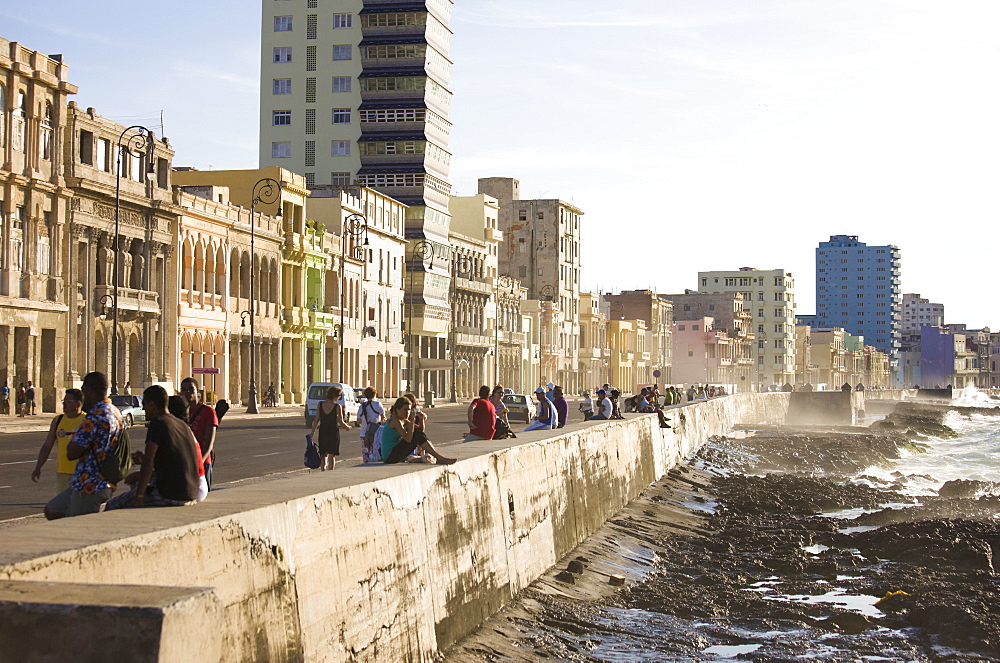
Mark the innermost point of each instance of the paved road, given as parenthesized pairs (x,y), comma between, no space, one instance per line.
(246,449)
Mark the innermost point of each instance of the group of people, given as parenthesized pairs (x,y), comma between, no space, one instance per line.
(175,466)
(390,437)
(24,399)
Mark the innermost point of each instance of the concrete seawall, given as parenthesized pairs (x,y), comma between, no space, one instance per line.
(364,563)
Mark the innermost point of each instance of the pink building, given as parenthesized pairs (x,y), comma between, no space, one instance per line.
(703,354)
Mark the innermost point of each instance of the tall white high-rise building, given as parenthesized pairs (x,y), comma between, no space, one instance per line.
(358,92)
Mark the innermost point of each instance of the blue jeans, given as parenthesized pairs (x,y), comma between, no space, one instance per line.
(538,425)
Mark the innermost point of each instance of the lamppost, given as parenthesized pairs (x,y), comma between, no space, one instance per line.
(266,191)
(355,226)
(507,283)
(459,265)
(135,141)
(422,250)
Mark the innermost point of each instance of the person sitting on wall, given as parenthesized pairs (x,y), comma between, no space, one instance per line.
(545,414)
(645,405)
(482,417)
(607,407)
(401,437)
(172,451)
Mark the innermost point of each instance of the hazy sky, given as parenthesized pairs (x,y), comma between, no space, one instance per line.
(695,135)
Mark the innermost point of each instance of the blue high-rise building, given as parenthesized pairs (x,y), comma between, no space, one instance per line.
(858,289)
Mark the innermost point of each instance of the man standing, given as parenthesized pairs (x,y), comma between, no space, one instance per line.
(171,451)
(95,439)
(482,417)
(203,422)
(4,398)
(60,432)
(29,398)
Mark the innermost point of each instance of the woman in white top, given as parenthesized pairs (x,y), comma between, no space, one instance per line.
(371,415)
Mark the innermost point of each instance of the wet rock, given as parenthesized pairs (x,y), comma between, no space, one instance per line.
(965,488)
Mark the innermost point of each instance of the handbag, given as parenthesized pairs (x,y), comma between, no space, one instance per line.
(311,458)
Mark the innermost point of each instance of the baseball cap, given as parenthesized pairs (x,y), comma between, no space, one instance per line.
(539,391)
(602,392)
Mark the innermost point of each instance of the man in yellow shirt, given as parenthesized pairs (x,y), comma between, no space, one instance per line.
(60,433)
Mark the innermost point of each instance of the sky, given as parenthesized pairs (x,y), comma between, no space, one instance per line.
(695,134)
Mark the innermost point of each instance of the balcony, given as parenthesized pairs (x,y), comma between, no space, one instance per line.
(512,337)
(136,301)
(321,320)
(480,287)
(470,338)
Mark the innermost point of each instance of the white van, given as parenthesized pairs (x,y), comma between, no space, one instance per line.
(317,394)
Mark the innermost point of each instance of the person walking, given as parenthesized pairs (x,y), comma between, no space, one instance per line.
(20,400)
(4,398)
(62,429)
(29,399)
(329,420)
(370,416)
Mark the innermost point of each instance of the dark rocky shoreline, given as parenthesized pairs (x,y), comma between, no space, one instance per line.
(730,555)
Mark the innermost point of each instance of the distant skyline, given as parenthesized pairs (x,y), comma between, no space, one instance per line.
(695,136)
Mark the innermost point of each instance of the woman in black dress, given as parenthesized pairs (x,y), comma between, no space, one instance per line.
(329,420)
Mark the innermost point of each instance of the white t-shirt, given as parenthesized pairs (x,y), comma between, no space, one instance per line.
(587,405)
(606,407)
(369,413)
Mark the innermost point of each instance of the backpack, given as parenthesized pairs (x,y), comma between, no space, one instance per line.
(311,459)
(117,464)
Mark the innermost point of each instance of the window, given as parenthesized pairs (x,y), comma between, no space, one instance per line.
(86,147)
(341,83)
(281,150)
(342,51)
(341,21)
(281,86)
(341,115)
(281,118)
(283,54)
(282,23)
(340,179)
(340,148)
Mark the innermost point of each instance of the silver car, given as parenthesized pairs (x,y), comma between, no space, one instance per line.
(131,408)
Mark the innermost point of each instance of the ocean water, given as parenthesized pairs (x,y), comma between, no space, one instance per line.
(974,454)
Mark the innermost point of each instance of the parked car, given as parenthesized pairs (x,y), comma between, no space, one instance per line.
(519,407)
(317,394)
(131,408)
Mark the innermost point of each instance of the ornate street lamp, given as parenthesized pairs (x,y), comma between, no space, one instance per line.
(355,227)
(507,283)
(135,141)
(266,191)
(422,250)
(460,265)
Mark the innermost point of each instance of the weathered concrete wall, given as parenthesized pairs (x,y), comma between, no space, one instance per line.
(825,408)
(371,562)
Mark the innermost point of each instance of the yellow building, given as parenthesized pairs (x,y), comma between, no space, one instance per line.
(213,282)
(305,259)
